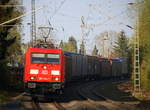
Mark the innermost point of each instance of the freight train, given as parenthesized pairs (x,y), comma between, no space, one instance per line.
(49,70)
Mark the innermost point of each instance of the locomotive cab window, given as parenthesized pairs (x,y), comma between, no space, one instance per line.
(38,58)
(45,58)
(53,58)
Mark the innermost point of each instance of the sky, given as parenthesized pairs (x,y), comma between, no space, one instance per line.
(65,18)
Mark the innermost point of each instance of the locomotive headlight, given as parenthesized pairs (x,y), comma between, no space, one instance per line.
(56,79)
(44,67)
(55,72)
(34,71)
(32,78)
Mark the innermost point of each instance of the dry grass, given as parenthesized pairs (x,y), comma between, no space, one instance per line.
(127,87)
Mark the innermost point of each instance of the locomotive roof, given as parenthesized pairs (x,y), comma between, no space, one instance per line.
(43,50)
(36,49)
(72,54)
(118,59)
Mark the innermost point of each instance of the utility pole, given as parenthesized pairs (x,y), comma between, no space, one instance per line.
(136,70)
(33,25)
(110,45)
(82,46)
(137,79)
(105,37)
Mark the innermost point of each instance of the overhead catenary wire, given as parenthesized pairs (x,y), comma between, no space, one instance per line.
(113,4)
(95,25)
(23,15)
(21,25)
(70,16)
(54,13)
(110,18)
(11,25)
(58,8)
(121,13)
(6,6)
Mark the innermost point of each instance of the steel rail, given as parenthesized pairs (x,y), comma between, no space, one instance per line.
(59,106)
(35,104)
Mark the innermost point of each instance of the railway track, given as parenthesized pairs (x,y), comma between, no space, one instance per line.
(86,97)
(58,106)
(35,105)
(81,93)
(89,93)
(91,100)
(18,97)
(54,105)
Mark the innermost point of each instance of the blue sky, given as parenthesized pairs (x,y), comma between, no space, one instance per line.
(66,18)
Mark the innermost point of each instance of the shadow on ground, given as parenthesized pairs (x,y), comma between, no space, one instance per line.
(111,91)
(144,105)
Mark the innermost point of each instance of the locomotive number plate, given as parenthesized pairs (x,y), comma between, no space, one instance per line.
(44,72)
(31,85)
(56,86)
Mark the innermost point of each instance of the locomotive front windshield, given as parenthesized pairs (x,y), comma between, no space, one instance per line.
(45,58)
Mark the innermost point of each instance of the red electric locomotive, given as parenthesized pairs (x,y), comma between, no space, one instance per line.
(44,70)
(47,70)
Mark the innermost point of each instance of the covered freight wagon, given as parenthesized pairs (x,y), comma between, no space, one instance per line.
(82,66)
(119,67)
(105,66)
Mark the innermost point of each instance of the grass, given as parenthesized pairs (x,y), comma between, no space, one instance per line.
(132,102)
(128,86)
(143,98)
